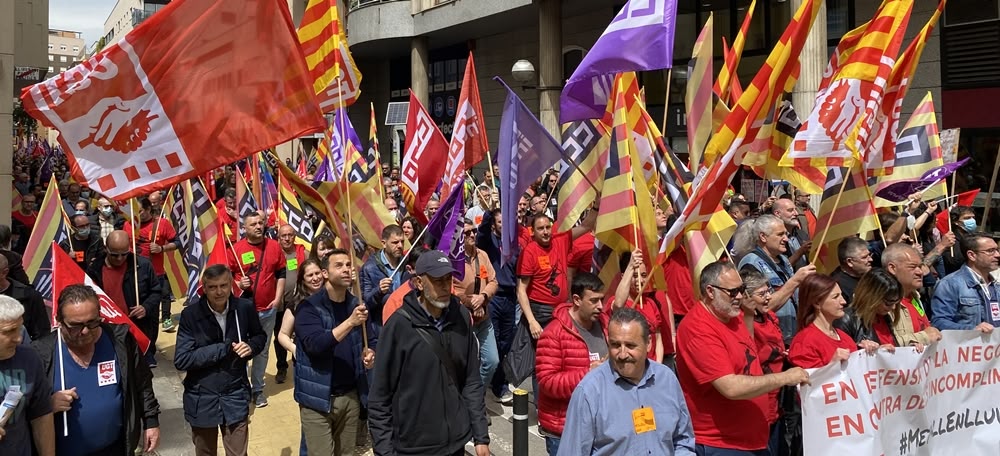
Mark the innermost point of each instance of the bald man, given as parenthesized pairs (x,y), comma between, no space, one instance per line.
(117,271)
(36,319)
(295,254)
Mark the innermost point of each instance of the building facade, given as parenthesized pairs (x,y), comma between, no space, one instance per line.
(66,49)
(126,15)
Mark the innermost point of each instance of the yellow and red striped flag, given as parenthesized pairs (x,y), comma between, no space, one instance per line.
(918,150)
(173,261)
(636,126)
(727,84)
(777,76)
(880,156)
(374,161)
(854,212)
(852,91)
(586,143)
(51,226)
(337,80)
(772,142)
(698,99)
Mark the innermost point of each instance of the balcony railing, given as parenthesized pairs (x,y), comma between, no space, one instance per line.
(139,15)
(355,4)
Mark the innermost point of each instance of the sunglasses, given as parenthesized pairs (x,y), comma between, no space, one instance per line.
(733,292)
(469,232)
(78,328)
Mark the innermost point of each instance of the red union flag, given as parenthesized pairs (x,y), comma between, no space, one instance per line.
(68,273)
(468,140)
(197,86)
(424,160)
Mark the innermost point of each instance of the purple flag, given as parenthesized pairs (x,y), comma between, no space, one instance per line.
(446,226)
(338,154)
(649,22)
(525,151)
(900,191)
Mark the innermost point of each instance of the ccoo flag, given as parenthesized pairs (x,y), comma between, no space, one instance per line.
(650,22)
(525,150)
(424,160)
(197,86)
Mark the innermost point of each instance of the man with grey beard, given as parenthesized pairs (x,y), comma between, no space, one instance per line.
(428,337)
(724,386)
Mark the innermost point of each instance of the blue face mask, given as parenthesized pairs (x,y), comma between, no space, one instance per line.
(970,224)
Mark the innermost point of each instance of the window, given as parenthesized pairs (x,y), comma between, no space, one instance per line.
(51,69)
(76,48)
(970,12)
(62,47)
(572,56)
(51,57)
(50,46)
(62,58)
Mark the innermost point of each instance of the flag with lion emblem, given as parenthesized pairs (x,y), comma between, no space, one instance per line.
(197,86)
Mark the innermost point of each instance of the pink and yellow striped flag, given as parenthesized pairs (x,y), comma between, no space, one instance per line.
(727,84)
(698,98)
(337,80)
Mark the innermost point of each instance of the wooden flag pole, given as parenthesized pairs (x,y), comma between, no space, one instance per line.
(135,261)
(819,245)
(634,215)
(163,210)
(666,100)
(232,248)
(989,198)
(350,219)
(493,183)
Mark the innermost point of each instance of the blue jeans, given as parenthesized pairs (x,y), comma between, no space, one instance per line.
(489,358)
(704,450)
(502,313)
(552,445)
(259,363)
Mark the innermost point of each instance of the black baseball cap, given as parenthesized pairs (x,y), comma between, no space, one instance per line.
(434,263)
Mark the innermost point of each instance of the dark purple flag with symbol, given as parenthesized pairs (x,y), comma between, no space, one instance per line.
(446,226)
(902,190)
(640,38)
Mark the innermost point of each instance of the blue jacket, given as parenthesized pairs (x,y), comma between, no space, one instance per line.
(960,303)
(314,323)
(216,389)
(372,272)
(777,275)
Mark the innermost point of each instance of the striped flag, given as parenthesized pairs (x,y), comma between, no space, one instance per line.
(198,235)
(698,100)
(246,204)
(778,74)
(173,261)
(727,84)
(468,140)
(638,130)
(881,152)
(772,142)
(424,160)
(337,80)
(374,161)
(852,91)
(51,226)
(586,143)
(674,176)
(853,214)
(918,150)
(332,150)
(291,212)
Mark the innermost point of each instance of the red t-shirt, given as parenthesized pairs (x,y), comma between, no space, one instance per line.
(707,350)
(229,225)
(266,257)
(771,353)
(677,277)
(27,220)
(654,319)
(811,348)
(113,280)
(883,332)
(919,319)
(164,234)
(546,267)
(581,257)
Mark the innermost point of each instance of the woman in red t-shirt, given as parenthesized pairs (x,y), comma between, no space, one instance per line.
(876,306)
(626,293)
(818,343)
(763,326)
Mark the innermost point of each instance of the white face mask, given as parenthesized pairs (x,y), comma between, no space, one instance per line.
(393,213)
(439,304)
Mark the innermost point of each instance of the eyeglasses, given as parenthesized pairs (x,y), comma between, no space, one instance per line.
(762,294)
(79,327)
(733,292)
(116,254)
(993,251)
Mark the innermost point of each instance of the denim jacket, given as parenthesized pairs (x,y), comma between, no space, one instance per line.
(960,302)
(777,274)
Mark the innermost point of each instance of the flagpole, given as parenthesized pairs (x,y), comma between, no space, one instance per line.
(829,221)
(666,98)
(378,155)
(989,198)
(493,184)
(634,215)
(573,162)
(62,378)
(135,261)
(350,220)
(233,249)
(163,210)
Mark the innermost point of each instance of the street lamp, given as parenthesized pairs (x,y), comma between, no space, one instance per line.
(523,71)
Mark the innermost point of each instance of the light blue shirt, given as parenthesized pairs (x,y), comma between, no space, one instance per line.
(599,418)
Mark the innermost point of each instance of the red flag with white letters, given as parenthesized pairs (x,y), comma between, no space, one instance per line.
(424,159)
(66,273)
(468,139)
(198,85)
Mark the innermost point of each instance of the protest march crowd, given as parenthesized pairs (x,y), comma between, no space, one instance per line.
(651,308)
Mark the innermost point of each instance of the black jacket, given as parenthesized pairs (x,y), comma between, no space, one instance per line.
(413,409)
(14,262)
(141,410)
(852,325)
(149,285)
(95,248)
(36,318)
(216,388)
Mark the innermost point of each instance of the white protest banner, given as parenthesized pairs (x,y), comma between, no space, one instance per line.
(943,401)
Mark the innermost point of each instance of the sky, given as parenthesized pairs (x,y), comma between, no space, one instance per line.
(85,16)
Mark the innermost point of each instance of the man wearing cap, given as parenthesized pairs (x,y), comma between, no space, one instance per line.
(430,335)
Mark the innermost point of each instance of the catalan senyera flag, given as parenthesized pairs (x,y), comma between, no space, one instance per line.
(880,154)
(586,143)
(918,150)
(772,142)
(307,195)
(424,160)
(675,178)
(854,213)
(629,87)
(374,160)
(468,141)
(337,80)
(852,91)
(198,234)
(778,75)
(626,208)
(131,123)
(51,226)
(173,261)
(727,74)
(698,100)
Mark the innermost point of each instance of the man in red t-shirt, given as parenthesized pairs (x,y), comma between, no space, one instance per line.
(228,218)
(542,267)
(156,237)
(26,213)
(717,365)
(259,268)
